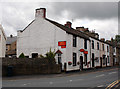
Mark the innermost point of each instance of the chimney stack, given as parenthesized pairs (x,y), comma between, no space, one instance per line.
(102,39)
(11,36)
(40,12)
(81,29)
(68,24)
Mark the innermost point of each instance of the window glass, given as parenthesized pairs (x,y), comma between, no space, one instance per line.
(74,59)
(74,41)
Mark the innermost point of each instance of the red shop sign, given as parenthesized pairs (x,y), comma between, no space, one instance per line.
(81,50)
(85,52)
(62,43)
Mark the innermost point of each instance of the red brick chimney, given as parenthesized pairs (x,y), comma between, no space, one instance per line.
(40,12)
(68,24)
(102,39)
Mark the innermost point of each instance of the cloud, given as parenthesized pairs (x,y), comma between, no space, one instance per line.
(91,10)
(94,15)
(105,28)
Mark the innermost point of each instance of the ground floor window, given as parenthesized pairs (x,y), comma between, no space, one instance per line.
(104,60)
(97,59)
(74,59)
(34,55)
(108,59)
(85,59)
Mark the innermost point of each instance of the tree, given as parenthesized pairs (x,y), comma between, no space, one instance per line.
(117,38)
(22,55)
(50,55)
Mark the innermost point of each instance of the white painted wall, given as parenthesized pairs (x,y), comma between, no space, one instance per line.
(42,35)
(96,52)
(105,52)
(2,42)
(70,49)
(39,37)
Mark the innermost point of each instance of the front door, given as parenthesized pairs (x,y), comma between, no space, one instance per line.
(101,62)
(106,62)
(113,61)
(92,59)
(81,62)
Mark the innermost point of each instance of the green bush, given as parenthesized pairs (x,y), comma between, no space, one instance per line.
(41,56)
(22,55)
(50,55)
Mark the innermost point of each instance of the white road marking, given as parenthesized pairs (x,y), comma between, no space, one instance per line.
(112,72)
(70,80)
(100,75)
(24,84)
(78,80)
(51,82)
(100,86)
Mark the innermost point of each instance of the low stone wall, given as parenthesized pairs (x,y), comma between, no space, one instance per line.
(26,66)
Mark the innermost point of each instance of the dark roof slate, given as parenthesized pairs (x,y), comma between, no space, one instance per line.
(69,30)
(10,40)
(28,25)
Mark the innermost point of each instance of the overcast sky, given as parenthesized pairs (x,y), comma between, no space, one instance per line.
(99,16)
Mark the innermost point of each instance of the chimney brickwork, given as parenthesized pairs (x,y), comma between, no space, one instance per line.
(41,12)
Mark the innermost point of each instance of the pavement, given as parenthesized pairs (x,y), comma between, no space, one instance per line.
(92,78)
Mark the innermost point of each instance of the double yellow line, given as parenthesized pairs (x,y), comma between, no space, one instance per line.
(112,84)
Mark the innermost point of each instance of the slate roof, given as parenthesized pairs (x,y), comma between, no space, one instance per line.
(58,51)
(2,30)
(28,25)
(10,40)
(69,30)
(90,35)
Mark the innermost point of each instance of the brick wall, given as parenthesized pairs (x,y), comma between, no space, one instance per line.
(26,66)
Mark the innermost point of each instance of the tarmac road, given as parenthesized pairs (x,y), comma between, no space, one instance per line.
(102,78)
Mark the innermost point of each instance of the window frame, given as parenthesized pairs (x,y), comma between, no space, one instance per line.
(85,59)
(59,57)
(92,44)
(103,48)
(107,48)
(74,59)
(85,43)
(98,46)
(74,41)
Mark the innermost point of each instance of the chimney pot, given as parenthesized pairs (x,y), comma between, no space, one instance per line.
(11,36)
(102,39)
(68,24)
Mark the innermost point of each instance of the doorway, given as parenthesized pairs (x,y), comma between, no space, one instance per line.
(106,62)
(93,60)
(101,62)
(113,61)
(81,62)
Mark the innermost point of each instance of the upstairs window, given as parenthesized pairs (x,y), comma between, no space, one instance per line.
(74,59)
(74,41)
(97,45)
(107,48)
(103,47)
(85,44)
(92,44)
